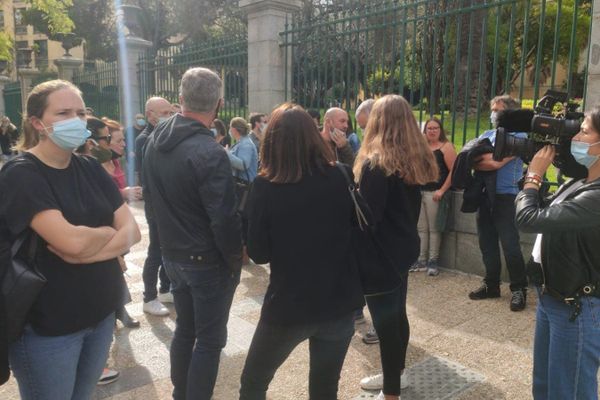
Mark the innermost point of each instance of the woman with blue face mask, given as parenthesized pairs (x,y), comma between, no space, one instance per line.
(565,268)
(68,205)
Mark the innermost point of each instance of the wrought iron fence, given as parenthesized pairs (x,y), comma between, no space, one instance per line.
(99,83)
(12,102)
(446,57)
(160,74)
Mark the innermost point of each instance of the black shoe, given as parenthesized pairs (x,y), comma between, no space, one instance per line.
(518,300)
(485,292)
(127,320)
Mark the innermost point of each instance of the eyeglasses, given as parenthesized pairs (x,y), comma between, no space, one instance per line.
(107,138)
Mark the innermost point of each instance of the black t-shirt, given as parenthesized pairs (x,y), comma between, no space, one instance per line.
(75,296)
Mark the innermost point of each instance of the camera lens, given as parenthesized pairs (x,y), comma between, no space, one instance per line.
(508,145)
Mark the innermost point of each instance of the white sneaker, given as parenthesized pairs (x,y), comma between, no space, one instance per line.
(381,396)
(165,297)
(155,307)
(108,376)
(375,382)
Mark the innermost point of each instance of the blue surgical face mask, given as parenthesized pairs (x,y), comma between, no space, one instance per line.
(230,134)
(494,118)
(214,131)
(162,119)
(69,134)
(140,122)
(580,153)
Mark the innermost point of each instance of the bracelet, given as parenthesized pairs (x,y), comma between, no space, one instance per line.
(533,181)
(533,175)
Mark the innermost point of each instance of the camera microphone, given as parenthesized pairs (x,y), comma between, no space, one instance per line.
(515,120)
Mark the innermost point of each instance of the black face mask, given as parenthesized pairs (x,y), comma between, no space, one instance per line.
(101,154)
(115,155)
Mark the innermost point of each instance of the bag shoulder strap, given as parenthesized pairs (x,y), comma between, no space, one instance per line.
(363,222)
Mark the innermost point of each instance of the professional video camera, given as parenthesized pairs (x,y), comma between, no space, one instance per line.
(542,128)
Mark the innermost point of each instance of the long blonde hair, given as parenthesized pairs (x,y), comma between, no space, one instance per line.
(394,143)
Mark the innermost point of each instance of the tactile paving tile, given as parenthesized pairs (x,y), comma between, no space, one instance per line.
(435,378)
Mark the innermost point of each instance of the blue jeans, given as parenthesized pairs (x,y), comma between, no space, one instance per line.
(499,223)
(566,355)
(61,367)
(203,295)
(272,344)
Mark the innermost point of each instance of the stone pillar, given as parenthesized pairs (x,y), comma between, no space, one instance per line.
(3,81)
(266,58)
(66,67)
(593,71)
(129,93)
(27,75)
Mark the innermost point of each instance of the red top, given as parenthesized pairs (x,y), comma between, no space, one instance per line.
(119,175)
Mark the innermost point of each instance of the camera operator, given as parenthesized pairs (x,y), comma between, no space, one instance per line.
(567,334)
(496,221)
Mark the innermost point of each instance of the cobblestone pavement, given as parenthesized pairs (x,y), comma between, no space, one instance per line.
(459,349)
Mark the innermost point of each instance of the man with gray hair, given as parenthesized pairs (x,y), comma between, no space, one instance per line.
(190,191)
(362,113)
(335,125)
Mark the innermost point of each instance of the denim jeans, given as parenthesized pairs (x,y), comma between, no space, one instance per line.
(566,355)
(203,295)
(499,223)
(152,266)
(61,367)
(388,311)
(272,344)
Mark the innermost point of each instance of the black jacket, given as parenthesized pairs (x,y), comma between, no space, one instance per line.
(303,230)
(5,258)
(189,191)
(476,184)
(140,145)
(571,237)
(395,206)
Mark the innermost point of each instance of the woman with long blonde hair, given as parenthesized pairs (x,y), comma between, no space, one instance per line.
(392,163)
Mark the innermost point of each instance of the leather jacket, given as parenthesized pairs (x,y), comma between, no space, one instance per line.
(570,242)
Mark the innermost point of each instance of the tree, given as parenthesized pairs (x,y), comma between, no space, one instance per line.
(89,20)
(163,22)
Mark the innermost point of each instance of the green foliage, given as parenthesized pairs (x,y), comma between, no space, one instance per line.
(6,46)
(528,46)
(55,13)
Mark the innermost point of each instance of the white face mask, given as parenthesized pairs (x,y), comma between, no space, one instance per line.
(263,127)
(494,118)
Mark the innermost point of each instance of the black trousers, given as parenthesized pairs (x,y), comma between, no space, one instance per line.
(388,312)
(498,223)
(153,267)
(272,344)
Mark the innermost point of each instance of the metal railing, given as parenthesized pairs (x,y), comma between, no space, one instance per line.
(99,83)
(448,58)
(160,74)
(12,102)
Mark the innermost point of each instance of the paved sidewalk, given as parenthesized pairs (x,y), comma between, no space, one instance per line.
(459,349)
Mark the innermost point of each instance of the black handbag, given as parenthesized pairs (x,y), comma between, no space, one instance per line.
(21,284)
(242,192)
(376,270)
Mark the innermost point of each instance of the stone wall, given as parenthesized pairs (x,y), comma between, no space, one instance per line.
(460,246)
